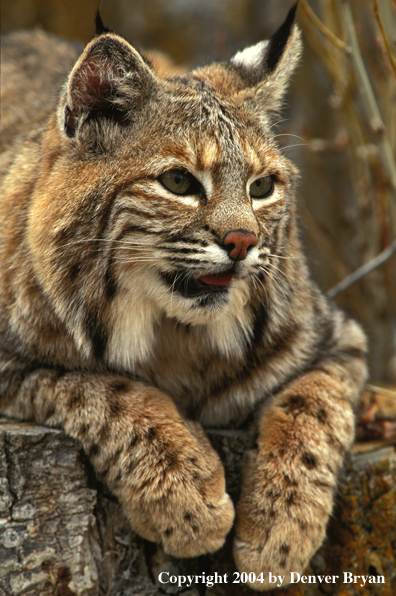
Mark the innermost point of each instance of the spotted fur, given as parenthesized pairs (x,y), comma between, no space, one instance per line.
(107,329)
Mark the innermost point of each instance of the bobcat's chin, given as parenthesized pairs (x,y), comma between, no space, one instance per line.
(202,300)
(195,304)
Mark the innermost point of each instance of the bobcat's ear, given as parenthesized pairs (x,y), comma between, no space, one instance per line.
(265,69)
(111,79)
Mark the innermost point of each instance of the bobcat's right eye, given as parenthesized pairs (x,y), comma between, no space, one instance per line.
(262,187)
(179,182)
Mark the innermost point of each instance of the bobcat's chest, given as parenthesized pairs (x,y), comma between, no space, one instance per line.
(195,365)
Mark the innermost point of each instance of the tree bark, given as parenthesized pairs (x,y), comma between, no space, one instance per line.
(62,533)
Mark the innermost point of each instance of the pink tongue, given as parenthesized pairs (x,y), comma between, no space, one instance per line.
(217,279)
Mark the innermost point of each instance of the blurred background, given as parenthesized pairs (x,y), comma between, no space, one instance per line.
(339,125)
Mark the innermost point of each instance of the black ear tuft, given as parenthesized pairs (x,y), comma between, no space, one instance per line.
(279,39)
(100,28)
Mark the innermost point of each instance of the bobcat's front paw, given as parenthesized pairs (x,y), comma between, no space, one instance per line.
(280,522)
(181,499)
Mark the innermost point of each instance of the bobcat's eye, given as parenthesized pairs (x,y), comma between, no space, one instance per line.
(179,182)
(262,187)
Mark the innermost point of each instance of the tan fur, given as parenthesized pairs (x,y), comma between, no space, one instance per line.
(107,330)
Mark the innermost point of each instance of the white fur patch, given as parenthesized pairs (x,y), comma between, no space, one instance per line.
(266,202)
(231,330)
(133,318)
(252,56)
(205,178)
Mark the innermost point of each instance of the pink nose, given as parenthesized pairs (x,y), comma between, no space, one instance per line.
(238,242)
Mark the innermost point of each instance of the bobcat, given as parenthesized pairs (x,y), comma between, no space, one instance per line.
(153,281)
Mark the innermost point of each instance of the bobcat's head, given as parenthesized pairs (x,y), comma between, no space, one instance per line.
(164,197)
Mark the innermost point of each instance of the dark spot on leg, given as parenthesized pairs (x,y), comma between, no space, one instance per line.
(285,549)
(170,461)
(309,460)
(290,499)
(321,415)
(169,531)
(120,387)
(187,515)
(151,433)
(84,429)
(272,494)
(93,450)
(296,402)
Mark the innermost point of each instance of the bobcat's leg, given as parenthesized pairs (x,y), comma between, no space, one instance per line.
(290,480)
(163,469)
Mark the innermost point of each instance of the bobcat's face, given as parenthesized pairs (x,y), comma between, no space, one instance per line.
(199,221)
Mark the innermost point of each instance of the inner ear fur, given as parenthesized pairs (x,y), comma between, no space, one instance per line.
(110,79)
(267,93)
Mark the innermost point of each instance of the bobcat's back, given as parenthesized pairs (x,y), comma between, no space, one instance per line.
(34,67)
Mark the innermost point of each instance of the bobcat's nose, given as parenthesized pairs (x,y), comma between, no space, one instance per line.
(238,242)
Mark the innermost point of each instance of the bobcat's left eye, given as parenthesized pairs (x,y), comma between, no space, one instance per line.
(262,187)
(179,182)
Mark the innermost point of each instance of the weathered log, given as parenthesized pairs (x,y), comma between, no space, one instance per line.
(62,533)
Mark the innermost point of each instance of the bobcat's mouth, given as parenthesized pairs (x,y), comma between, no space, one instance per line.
(189,287)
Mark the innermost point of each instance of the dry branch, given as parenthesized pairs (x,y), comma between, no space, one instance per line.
(370,101)
(363,270)
(378,18)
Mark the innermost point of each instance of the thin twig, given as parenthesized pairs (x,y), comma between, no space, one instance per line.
(372,106)
(380,390)
(378,18)
(385,58)
(363,270)
(322,27)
